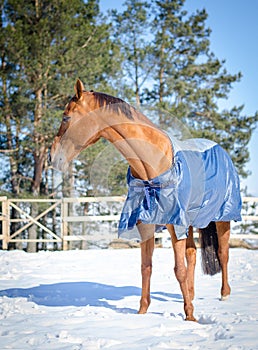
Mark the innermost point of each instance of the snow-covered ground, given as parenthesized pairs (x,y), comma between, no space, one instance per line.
(88,300)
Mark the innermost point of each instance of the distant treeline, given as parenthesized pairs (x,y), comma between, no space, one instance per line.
(152,53)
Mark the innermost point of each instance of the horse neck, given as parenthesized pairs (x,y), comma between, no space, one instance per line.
(146,148)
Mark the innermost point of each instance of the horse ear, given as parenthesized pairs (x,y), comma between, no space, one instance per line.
(79,88)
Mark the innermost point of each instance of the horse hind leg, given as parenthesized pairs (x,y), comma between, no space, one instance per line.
(180,269)
(223,231)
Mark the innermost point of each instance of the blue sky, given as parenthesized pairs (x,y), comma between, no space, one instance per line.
(234,38)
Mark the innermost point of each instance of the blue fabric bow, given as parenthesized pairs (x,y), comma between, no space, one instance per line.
(152,194)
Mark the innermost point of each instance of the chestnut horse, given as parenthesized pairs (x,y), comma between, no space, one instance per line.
(150,153)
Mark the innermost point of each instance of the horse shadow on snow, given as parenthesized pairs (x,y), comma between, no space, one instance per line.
(82,294)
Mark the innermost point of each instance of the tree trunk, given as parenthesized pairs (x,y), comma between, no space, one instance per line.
(68,191)
(12,149)
(32,231)
(39,159)
(161,74)
(136,72)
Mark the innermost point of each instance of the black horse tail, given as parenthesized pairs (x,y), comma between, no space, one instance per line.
(209,248)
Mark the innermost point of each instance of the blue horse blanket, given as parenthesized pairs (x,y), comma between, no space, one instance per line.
(201,186)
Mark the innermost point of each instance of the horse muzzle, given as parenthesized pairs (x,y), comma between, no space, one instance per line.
(57,159)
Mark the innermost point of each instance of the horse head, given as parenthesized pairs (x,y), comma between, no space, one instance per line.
(80,127)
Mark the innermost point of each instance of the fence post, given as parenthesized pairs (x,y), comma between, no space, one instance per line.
(64,224)
(5,222)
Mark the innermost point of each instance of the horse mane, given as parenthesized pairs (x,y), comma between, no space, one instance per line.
(116,104)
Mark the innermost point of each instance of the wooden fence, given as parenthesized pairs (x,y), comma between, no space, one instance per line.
(53,218)
(55,215)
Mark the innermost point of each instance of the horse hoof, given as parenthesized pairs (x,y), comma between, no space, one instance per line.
(224,297)
(142,312)
(191,318)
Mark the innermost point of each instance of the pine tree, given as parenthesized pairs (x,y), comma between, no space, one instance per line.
(190,80)
(131,29)
(45,47)
(49,45)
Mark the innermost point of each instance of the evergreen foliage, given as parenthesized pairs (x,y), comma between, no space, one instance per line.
(131,29)
(152,52)
(45,46)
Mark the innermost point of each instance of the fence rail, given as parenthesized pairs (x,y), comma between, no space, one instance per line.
(54,218)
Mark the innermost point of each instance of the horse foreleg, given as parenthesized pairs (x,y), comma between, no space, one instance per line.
(180,269)
(147,246)
(191,261)
(223,231)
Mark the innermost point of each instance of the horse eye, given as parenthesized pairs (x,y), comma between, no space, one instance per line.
(66,118)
